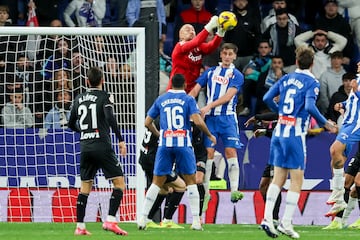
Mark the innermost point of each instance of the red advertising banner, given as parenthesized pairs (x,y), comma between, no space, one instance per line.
(59,205)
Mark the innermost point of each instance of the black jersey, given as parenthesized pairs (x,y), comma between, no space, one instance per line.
(149,144)
(92,116)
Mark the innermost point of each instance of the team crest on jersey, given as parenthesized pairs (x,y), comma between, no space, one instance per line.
(344,136)
(230,75)
(111,98)
(222,80)
(316,91)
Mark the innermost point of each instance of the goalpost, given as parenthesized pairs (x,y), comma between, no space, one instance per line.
(39,159)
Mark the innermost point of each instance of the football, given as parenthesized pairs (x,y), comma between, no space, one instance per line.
(227,20)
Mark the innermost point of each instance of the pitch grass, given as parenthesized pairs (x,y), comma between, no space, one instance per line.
(64,231)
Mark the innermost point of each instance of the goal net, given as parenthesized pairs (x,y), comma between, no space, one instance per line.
(42,69)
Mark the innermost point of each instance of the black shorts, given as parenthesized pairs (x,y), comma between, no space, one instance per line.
(171,177)
(90,162)
(354,165)
(268,171)
(146,162)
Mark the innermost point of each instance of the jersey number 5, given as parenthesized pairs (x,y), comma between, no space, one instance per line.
(288,107)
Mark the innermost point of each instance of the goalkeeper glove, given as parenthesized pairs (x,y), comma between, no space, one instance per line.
(221,32)
(213,23)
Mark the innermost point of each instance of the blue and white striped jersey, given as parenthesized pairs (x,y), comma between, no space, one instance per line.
(295,90)
(352,107)
(218,80)
(175,108)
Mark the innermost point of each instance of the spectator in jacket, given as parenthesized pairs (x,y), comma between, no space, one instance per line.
(323,44)
(331,20)
(270,19)
(246,35)
(88,13)
(196,15)
(282,35)
(58,116)
(330,81)
(15,114)
(340,96)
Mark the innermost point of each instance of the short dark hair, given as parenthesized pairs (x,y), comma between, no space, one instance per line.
(263,40)
(336,54)
(229,46)
(94,75)
(281,11)
(178,80)
(304,57)
(348,75)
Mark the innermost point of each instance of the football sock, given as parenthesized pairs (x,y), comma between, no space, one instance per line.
(115,200)
(350,206)
(150,198)
(201,190)
(208,169)
(234,173)
(172,205)
(291,204)
(81,206)
(277,207)
(346,198)
(221,168)
(358,194)
(193,195)
(338,179)
(271,196)
(157,205)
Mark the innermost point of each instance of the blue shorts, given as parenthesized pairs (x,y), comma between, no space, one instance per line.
(348,135)
(183,157)
(223,127)
(288,153)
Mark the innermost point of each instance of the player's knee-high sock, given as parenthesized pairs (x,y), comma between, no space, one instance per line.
(201,190)
(350,206)
(271,196)
(193,195)
(338,179)
(221,168)
(208,169)
(80,209)
(277,207)
(172,204)
(291,204)
(150,198)
(157,205)
(115,200)
(234,173)
(346,199)
(358,194)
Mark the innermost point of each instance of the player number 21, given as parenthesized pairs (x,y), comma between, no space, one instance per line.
(83,112)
